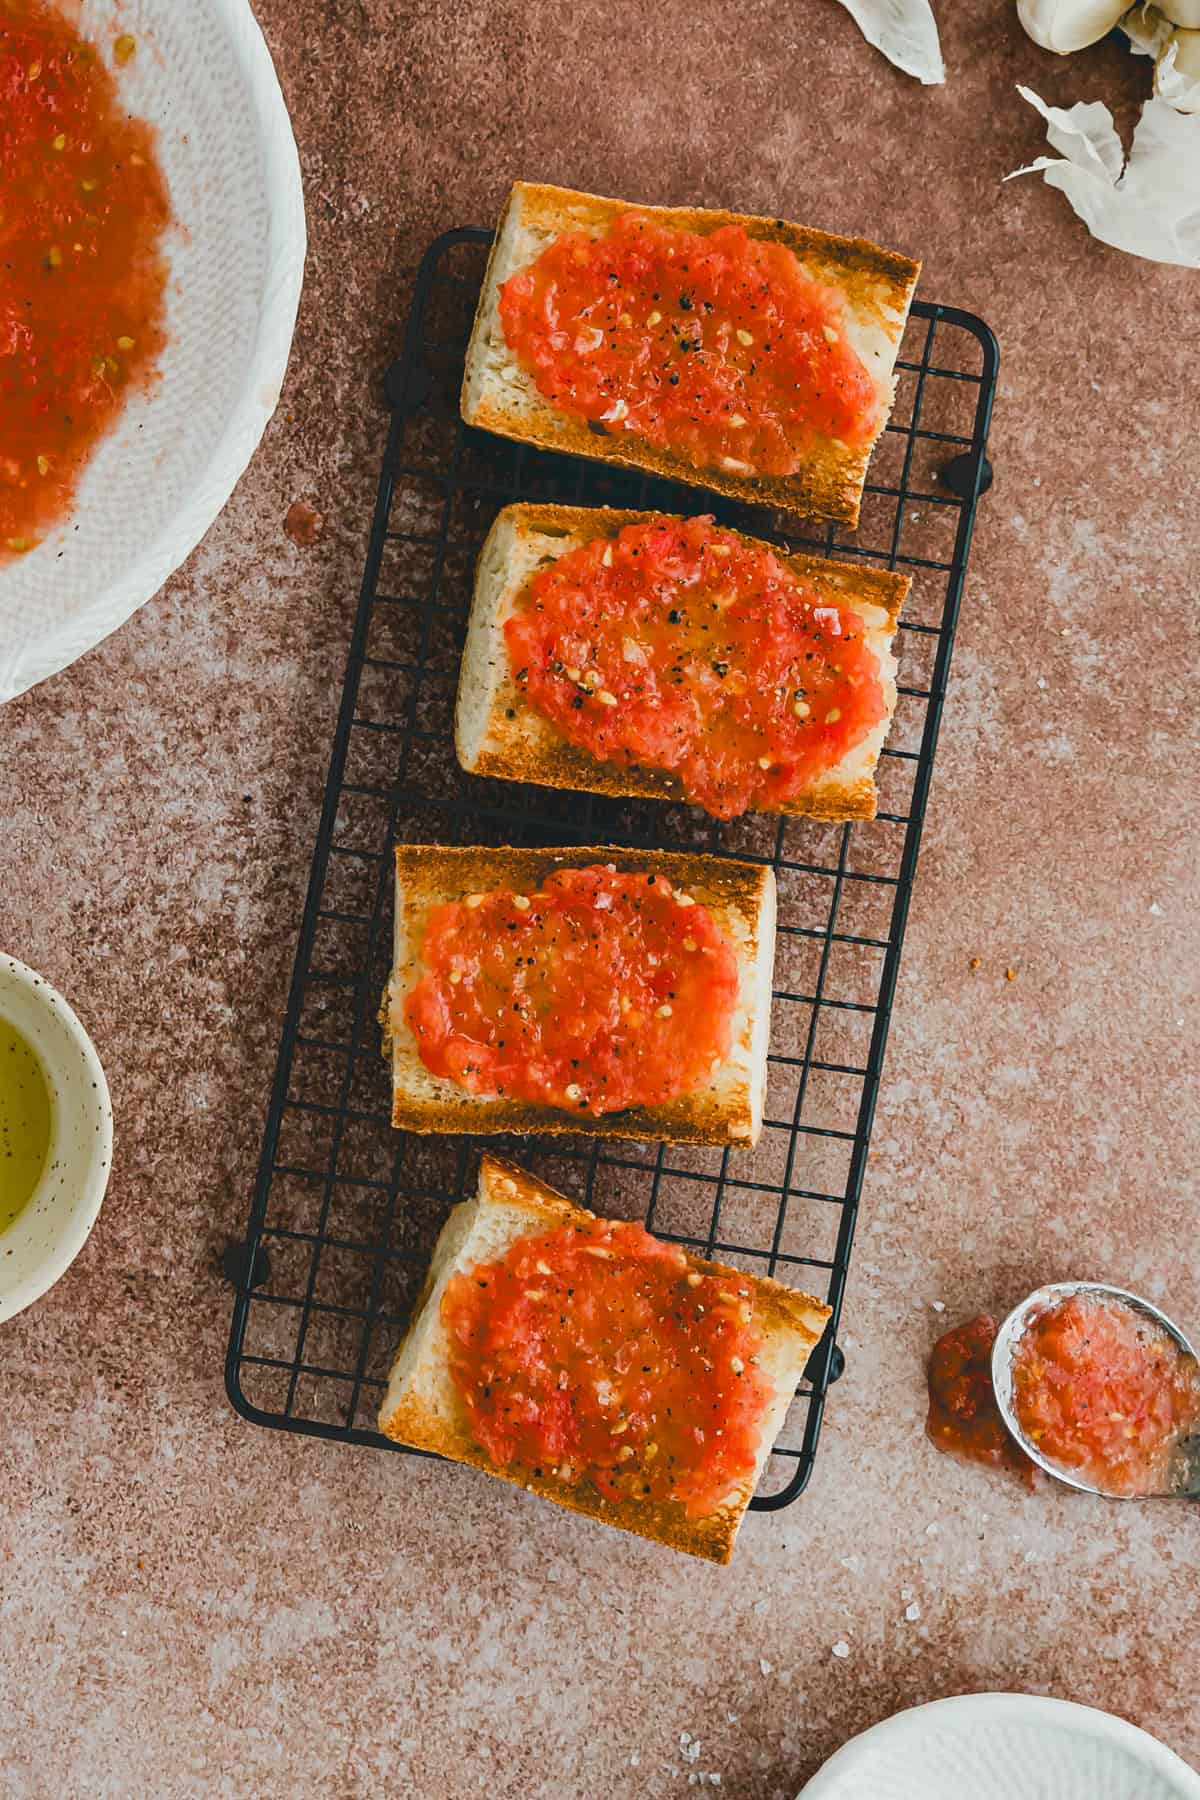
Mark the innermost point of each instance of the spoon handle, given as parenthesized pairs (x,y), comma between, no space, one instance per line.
(1186,1468)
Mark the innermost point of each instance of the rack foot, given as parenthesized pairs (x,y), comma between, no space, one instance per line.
(959,475)
(238,1269)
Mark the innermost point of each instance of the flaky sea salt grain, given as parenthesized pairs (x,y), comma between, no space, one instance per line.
(764,1665)
(841,1649)
(690,1746)
(913,1612)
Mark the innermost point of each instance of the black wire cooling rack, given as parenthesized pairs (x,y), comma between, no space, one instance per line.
(346,1210)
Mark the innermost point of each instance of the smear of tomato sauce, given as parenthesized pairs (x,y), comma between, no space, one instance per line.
(600,990)
(676,645)
(718,347)
(964,1419)
(601,1354)
(83,208)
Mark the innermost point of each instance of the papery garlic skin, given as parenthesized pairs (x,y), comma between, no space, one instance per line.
(906,32)
(1066,25)
(1177,72)
(1146,203)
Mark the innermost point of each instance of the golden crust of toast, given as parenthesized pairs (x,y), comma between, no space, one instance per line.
(876,284)
(781,1311)
(556,763)
(428,874)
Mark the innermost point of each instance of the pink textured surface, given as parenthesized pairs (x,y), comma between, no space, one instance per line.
(188,1605)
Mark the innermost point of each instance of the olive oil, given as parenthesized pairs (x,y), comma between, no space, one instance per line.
(26,1116)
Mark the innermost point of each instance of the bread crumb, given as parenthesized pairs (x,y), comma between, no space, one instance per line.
(841,1649)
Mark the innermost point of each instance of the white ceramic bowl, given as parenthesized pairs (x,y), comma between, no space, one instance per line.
(52,1229)
(998,1746)
(203,76)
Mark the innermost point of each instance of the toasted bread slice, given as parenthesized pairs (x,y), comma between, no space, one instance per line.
(498,733)
(422,1407)
(728,1110)
(498,395)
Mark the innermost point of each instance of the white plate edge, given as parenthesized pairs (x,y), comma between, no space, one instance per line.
(1034,1708)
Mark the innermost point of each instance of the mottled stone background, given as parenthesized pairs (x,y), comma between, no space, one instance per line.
(190,1606)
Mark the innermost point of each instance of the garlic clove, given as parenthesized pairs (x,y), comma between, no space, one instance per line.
(1066,25)
(1147,29)
(1185,13)
(1177,72)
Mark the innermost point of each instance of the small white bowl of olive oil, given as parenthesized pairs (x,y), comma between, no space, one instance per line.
(55,1136)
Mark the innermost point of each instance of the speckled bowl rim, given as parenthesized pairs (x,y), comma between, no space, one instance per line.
(81,1215)
(1032,1709)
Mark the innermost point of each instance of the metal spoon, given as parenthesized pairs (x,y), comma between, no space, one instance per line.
(1185,1464)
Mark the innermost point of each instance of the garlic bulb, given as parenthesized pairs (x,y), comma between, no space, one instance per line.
(1066,25)
(1177,72)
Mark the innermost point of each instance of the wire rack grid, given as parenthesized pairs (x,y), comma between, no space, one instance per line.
(345,1210)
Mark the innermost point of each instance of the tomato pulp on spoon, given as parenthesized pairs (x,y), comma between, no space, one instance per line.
(720,347)
(599,1354)
(676,645)
(596,992)
(83,206)
(1105,1392)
